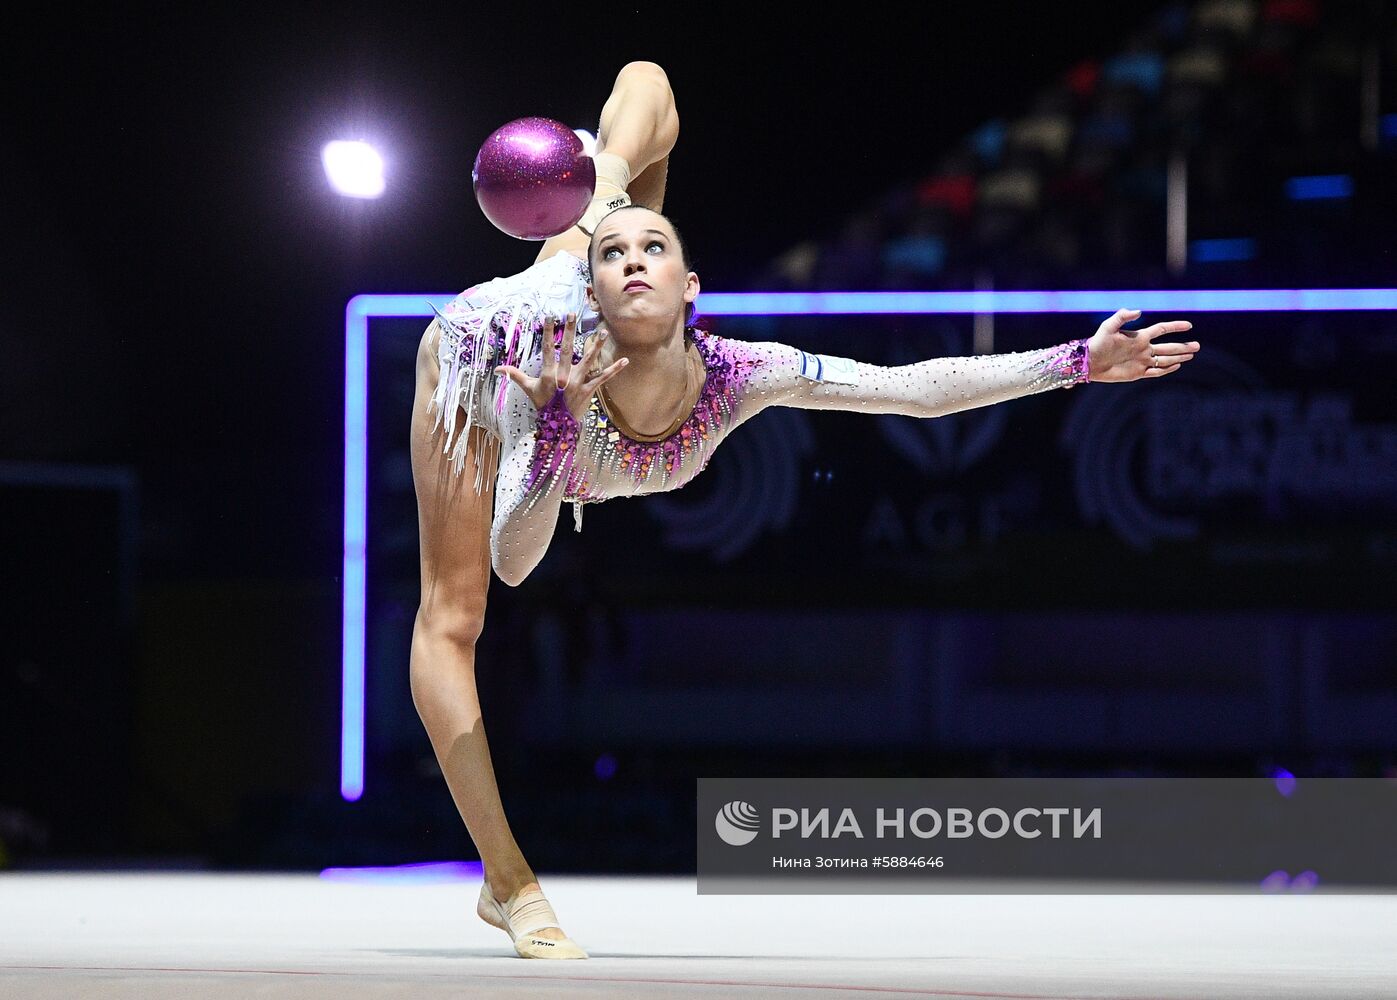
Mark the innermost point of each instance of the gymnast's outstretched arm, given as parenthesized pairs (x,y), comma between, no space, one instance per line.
(782,375)
(777,374)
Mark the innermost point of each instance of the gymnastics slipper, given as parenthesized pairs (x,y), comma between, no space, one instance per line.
(522,914)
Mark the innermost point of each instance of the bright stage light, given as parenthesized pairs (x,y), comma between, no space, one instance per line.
(354,169)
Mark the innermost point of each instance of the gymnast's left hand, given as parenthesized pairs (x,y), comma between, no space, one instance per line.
(1116,355)
(558,371)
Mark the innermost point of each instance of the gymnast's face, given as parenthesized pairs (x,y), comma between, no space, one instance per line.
(638,245)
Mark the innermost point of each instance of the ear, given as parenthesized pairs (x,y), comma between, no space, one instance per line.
(691,287)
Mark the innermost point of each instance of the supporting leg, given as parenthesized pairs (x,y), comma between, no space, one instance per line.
(454,524)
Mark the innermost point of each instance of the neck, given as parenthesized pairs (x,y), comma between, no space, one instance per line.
(654,385)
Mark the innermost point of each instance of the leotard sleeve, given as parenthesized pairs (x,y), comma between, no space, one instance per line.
(536,468)
(775,374)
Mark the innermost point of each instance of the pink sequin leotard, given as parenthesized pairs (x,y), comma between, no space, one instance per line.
(547,457)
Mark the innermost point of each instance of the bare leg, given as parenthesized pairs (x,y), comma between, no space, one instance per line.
(639,123)
(649,188)
(454,522)
(638,120)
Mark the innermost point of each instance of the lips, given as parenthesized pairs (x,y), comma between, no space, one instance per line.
(634,284)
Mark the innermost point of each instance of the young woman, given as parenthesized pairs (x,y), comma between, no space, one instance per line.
(552,415)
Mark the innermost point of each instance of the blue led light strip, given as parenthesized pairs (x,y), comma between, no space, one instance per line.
(356,390)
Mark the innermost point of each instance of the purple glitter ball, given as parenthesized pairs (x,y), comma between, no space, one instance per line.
(532,178)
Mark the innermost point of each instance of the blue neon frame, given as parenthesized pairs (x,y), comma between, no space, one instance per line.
(361,308)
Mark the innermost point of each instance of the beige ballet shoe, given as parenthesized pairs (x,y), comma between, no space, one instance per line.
(522,914)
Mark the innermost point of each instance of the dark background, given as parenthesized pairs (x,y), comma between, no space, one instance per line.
(176,270)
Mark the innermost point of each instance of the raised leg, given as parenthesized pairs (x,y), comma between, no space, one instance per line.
(649,188)
(638,120)
(639,123)
(454,524)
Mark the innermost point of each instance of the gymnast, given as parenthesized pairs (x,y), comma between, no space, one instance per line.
(584,378)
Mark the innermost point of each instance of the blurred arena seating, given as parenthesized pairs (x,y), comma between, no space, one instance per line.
(1274,120)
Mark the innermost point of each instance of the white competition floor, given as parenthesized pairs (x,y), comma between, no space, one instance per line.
(153,935)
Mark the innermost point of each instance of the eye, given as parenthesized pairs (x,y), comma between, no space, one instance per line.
(606,254)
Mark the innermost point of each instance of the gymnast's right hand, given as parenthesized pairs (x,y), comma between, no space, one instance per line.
(559,372)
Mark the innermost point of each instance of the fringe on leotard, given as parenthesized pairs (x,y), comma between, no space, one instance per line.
(499,323)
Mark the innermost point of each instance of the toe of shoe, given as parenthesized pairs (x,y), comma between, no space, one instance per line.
(531,946)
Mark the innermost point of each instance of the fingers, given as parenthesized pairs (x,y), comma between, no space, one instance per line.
(610,373)
(1173,326)
(1119,318)
(593,349)
(549,371)
(1162,370)
(563,342)
(1156,366)
(1123,316)
(1168,358)
(570,338)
